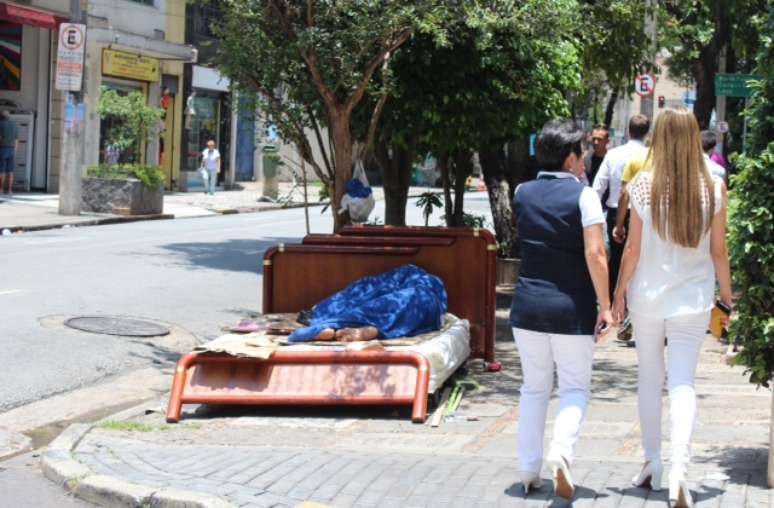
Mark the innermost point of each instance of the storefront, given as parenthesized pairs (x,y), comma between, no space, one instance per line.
(141,65)
(26,49)
(207,116)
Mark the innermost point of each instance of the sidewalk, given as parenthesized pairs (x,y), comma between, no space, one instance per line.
(32,211)
(255,457)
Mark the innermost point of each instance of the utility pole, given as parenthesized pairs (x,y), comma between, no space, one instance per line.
(720,102)
(70,177)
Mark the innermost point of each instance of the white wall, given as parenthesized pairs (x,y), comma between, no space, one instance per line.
(131,16)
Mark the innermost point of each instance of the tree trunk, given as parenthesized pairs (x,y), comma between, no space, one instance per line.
(443,165)
(396,178)
(463,167)
(771,446)
(610,109)
(704,75)
(497,186)
(342,146)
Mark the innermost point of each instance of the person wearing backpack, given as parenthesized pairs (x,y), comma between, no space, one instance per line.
(9,135)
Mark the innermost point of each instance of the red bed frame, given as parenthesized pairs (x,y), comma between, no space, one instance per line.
(292,282)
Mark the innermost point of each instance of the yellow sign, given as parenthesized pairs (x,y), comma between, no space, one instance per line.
(127,65)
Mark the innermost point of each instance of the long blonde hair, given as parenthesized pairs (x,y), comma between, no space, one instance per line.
(682,186)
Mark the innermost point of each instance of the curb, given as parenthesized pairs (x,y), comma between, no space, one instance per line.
(163,216)
(59,466)
(93,222)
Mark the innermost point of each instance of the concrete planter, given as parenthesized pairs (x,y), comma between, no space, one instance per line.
(124,197)
(508,270)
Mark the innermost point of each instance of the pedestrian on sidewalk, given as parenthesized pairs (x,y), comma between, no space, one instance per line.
(708,142)
(609,179)
(9,138)
(210,167)
(600,137)
(554,313)
(675,251)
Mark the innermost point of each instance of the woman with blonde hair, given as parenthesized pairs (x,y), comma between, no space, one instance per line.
(675,251)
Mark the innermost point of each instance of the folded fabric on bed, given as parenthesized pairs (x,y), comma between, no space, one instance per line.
(403,302)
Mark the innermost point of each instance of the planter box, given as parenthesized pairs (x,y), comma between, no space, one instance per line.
(128,197)
(508,270)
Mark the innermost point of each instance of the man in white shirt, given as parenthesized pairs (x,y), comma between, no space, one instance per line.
(609,179)
(708,142)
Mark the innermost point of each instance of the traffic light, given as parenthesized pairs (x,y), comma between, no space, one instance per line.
(661,101)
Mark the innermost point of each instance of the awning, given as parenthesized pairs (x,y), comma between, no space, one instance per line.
(31,17)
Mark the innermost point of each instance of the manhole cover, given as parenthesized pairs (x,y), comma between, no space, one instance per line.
(129,327)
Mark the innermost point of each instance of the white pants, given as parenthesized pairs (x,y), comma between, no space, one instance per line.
(685,336)
(573,356)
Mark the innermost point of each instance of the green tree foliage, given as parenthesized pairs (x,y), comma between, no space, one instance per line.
(310,63)
(615,48)
(751,231)
(133,122)
(695,32)
(504,67)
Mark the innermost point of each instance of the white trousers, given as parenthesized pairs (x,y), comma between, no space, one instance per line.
(685,335)
(573,356)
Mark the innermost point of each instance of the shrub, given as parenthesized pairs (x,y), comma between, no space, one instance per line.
(751,248)
(150,176)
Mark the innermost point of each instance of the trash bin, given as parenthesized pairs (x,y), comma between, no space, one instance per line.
(271,164)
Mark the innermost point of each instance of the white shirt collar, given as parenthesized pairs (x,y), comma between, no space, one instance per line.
(558,174)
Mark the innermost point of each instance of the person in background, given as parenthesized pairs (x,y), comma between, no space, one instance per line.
(9,139)
(561,299)
(708,142)
(600,137)
(718,158)
(210,167)
(609,179)
(675,251)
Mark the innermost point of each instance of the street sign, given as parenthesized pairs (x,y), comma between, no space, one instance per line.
(734,85)
(722,127)
(69,57)
(128,65)
(645,84)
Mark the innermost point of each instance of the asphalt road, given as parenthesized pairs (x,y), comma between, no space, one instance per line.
(198,274)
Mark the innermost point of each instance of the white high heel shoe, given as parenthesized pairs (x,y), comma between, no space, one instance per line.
(679,494)
(650,476)
(530,481)
(563,484)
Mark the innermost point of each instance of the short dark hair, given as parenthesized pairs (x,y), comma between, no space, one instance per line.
(708,140)
(639,125)
(600,127)
(556,141)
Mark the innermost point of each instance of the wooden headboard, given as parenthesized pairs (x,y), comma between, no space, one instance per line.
(296,277)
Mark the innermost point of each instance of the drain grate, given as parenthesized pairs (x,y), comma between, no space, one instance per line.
(128,327)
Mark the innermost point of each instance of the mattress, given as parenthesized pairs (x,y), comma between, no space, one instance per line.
(446,350)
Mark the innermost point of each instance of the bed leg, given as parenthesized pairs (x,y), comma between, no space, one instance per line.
(175,407)
(419,408)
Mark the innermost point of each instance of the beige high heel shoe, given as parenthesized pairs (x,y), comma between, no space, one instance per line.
(679,494)
(530,481)
(650,476)
(563,484)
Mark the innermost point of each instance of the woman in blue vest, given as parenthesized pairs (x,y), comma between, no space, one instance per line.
(561,300)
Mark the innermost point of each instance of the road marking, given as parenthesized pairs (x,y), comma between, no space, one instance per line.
(10,291)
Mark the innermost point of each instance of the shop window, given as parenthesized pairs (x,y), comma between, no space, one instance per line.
(202,117)
(109,154)
(10,56)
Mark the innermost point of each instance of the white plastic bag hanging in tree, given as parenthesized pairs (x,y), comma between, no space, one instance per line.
(359,198)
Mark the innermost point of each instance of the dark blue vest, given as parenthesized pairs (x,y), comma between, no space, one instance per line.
(554,293)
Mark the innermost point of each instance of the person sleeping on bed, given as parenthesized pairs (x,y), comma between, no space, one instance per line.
(403,302)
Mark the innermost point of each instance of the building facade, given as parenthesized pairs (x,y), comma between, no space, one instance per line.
(130,46)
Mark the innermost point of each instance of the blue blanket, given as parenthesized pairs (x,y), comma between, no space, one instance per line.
(403,302)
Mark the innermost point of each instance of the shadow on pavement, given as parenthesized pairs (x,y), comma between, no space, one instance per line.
(235,255)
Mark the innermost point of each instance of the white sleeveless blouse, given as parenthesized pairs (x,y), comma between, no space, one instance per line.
(670,280)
